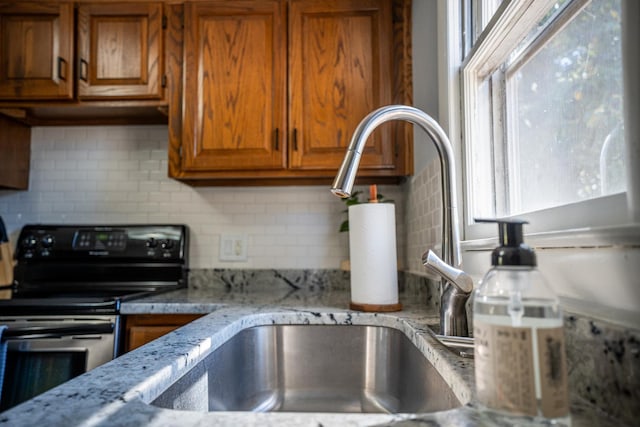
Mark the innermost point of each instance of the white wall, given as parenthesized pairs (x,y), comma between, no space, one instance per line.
(424,42)
(118,174)
(423,195)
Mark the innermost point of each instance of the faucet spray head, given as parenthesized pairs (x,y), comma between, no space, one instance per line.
(346,176)
(340,193)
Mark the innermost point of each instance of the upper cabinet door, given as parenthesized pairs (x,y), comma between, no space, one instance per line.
(234,92)
(340,70)
(36,50)
(120,50)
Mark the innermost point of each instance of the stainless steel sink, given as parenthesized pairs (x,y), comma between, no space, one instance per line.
(313,368)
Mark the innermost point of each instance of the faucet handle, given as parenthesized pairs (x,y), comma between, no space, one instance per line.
(461,280)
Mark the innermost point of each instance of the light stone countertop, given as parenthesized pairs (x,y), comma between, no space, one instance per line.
(119,392)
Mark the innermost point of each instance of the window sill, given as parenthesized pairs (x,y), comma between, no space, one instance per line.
(587,237)
(594,271)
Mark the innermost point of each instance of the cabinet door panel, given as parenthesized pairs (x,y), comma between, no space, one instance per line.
(36,50)
(340,70)
(234,97)
(121,50)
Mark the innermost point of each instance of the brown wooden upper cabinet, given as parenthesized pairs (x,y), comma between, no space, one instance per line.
(235,87)
(36,50)
(118,51)
(339,71)
(274,89)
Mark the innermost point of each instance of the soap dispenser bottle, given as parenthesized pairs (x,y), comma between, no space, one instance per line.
(520,361)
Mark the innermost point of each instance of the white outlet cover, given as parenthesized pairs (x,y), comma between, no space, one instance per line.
(233,247)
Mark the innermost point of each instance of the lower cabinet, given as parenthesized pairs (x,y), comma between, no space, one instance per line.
(143,328)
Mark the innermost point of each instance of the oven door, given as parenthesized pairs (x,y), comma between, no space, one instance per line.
(45,352)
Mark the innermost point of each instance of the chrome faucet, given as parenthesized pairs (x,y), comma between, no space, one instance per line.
(457,285)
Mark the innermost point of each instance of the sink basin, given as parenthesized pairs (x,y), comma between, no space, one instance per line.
(313,368)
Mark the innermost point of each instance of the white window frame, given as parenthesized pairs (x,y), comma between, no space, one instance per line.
(593,270)
(605,219)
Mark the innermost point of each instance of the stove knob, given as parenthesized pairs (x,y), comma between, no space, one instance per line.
(166,244)
(47,241)
(151,242)
(29,242)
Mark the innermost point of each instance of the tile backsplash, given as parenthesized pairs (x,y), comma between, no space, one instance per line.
(118,174)
(424,216)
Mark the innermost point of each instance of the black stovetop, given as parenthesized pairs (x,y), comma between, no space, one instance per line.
(92,269)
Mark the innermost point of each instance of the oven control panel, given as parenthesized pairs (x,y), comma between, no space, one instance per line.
(115,240)
(94,242)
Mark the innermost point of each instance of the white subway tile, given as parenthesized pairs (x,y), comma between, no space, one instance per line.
(150,165)
(138,175)
(179,197)
(68,187)
(118,174)
(158,154)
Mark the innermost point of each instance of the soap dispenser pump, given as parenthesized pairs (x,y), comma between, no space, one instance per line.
(520,361)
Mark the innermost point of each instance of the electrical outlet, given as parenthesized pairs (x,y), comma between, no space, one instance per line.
(233,247)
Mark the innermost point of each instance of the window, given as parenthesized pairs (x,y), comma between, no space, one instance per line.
(543,113)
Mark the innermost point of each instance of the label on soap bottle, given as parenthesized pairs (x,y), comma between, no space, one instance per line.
(504,368)
(553,373)
(508,366)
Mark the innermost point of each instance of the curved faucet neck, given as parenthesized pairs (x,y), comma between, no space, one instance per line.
(343,183)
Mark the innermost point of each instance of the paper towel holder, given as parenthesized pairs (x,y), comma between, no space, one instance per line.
(372,246)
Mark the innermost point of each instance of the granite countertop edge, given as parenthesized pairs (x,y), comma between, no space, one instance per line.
(119,392)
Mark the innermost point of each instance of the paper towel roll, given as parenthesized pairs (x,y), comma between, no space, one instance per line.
(373,256)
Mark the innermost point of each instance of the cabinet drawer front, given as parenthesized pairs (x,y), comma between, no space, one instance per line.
(36,55)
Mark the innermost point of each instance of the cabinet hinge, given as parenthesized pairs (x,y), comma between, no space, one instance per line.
(164,81)
(396,148)
(164,22)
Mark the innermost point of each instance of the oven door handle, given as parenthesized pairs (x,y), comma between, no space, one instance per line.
(39,332)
